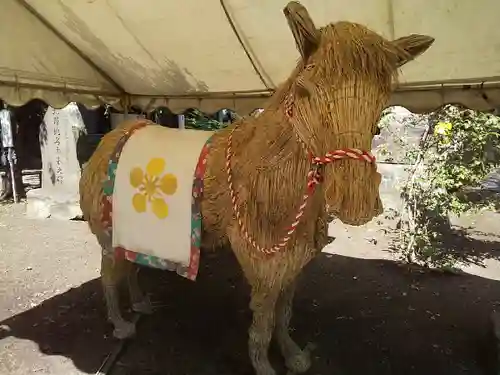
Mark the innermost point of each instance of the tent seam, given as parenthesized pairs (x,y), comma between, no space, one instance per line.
(256,65)
(47,24)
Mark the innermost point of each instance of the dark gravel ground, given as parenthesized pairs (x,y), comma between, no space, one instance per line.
(365,315)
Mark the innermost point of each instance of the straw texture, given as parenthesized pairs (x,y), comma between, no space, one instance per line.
(332,100)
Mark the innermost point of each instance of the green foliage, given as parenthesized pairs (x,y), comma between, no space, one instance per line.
(458,149)
(195,119)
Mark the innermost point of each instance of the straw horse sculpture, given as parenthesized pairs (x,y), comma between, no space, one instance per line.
(274,182)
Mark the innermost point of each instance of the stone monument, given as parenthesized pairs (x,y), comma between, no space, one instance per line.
(58,196)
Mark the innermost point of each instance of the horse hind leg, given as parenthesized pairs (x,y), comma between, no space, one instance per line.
(112,273)
(139,301)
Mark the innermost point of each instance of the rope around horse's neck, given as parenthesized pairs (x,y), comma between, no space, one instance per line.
(314,178)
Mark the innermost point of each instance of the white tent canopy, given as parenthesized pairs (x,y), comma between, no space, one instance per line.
(215,54)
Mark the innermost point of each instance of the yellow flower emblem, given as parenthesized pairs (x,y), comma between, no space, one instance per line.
(151,185)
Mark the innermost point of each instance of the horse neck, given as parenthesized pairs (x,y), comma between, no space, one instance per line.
(272,166)
(266,146)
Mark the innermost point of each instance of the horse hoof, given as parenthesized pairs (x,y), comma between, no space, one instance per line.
(143,307)
(124,330)
(299,363)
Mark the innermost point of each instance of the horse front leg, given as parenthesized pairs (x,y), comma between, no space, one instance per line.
(263,305)
(296,359)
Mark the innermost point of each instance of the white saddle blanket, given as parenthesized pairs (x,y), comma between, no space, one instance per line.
(153,192)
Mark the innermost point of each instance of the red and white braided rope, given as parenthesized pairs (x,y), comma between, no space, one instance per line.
(345,153)
(313,179)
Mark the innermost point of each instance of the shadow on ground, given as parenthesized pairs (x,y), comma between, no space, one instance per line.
(455,244)
(472,247)
(70,324)
(366,316)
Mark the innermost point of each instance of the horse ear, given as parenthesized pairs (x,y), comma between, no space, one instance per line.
(414,45)
(307,37)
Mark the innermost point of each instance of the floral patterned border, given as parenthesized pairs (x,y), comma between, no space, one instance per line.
(190,272)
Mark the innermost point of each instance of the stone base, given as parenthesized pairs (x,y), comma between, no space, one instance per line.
(56,203)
